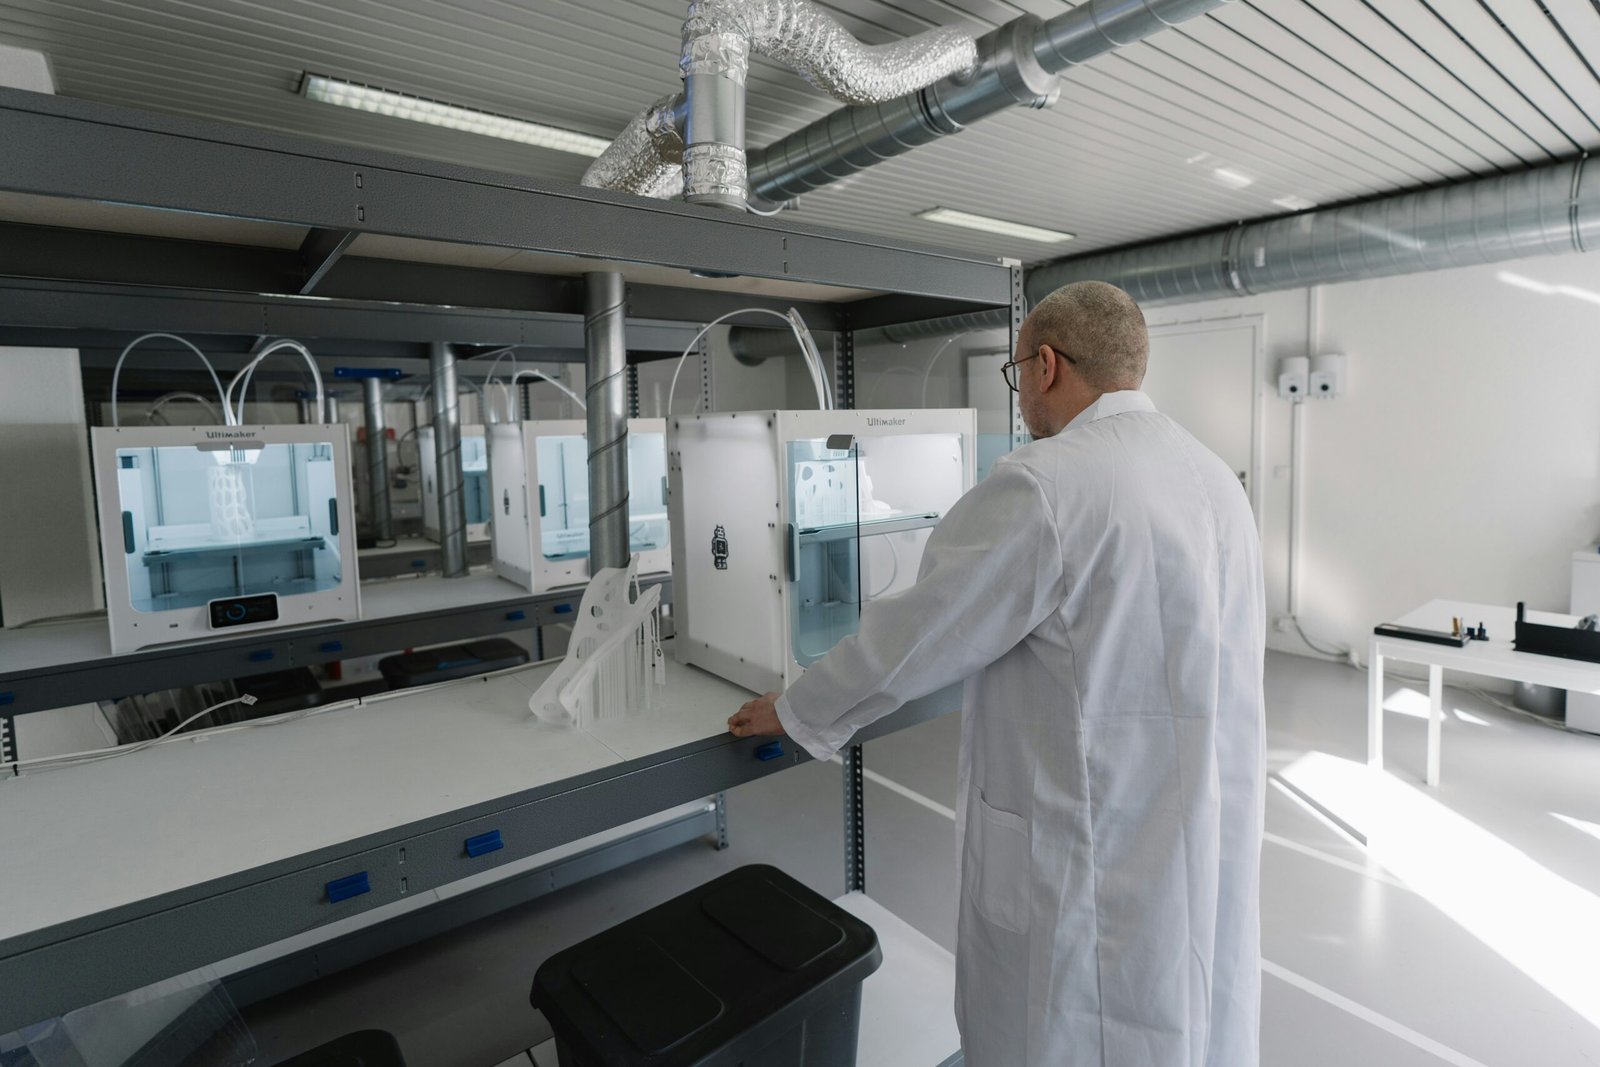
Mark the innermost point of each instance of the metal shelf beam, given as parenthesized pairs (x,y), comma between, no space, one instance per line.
(59,147)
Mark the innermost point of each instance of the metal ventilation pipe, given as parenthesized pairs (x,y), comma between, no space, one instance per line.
(607,413)
(1018,63)
(702,129)
(378,462)
(447,460)
(1543,211)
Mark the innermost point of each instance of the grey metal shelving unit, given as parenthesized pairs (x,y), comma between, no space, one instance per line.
(115,222)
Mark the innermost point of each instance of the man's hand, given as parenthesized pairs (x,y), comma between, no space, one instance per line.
(758,718)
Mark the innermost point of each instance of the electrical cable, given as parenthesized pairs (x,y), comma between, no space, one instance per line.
(927,374)
(576,399)
(163,401)
(242,379)
(802,336)
(116,372)
(96,754)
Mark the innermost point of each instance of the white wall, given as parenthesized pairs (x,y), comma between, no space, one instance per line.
(1464,460)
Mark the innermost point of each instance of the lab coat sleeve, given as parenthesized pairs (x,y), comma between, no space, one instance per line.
(991,572)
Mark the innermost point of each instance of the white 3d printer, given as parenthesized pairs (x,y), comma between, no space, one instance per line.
(474,481)
(539,500)
(785,522)
(212,530)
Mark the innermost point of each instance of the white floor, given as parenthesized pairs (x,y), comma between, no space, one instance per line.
(1465,932)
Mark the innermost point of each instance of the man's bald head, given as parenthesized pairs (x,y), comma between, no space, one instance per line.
(1098,327)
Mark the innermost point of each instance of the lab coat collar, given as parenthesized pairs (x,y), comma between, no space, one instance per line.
(1114,403)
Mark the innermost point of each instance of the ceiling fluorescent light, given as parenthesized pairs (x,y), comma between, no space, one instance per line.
(1295,203)
(1232,178)
(405,106)
(988,225)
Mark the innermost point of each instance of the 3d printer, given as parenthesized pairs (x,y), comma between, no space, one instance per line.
(785,522)
(539,500)
(223,528)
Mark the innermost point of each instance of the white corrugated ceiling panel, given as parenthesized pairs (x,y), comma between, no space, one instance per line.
(1309,100)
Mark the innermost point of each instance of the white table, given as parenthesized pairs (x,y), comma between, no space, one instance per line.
(1494,658)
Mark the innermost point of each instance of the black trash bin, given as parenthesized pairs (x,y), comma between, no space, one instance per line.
(750,969)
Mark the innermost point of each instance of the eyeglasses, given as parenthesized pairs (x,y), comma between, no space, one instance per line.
(1008,371)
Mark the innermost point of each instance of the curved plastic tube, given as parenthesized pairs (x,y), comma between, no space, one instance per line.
(116,372)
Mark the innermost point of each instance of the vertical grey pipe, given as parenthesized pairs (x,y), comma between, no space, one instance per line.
(307,415)
(447,460)
(607,399)
(331,409)
(378,462)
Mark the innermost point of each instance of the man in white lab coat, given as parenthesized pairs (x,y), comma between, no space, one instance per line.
(1101,595)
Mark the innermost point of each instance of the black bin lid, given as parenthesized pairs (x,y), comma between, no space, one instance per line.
(751,951)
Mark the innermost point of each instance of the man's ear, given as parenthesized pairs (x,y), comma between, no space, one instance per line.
(1050,360)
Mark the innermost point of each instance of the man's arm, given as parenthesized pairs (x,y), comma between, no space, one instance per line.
(991,573)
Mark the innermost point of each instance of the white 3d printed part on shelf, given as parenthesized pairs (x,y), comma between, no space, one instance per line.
(614,665)
(539,500)
(212,530)
(785,522)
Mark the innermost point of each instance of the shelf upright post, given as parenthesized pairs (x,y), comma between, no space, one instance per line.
(447,456)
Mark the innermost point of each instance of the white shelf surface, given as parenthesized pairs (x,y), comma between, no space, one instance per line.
(100,835)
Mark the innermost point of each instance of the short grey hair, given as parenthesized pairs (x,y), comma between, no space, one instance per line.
(1099,328)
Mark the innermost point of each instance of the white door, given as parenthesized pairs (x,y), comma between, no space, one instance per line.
(1206,376)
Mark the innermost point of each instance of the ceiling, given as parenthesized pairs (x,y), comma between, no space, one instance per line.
(1312,101)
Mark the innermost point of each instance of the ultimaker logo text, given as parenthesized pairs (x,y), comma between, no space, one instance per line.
(225,435)
(871,421)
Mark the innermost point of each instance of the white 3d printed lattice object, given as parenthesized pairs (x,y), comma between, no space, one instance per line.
(614,664)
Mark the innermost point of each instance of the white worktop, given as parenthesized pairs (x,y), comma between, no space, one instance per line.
(1496,657)
(104,834)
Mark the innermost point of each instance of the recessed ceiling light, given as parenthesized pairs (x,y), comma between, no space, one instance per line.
(989,225)
(1295,203)
(418,109)
(1232,178)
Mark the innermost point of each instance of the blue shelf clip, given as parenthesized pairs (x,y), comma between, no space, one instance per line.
(484,843)
(344,888)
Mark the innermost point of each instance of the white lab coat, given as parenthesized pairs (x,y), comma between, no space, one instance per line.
(1101,594)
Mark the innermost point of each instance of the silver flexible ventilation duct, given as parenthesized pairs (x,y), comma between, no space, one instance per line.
(1017,64)
(1543,211)
(718,39)
(647,156)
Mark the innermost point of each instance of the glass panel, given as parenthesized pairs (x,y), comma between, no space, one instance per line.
(563,496)
(861,518)
(475,477)
(647,491)
(199,524)
(991,446)
(824,558)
